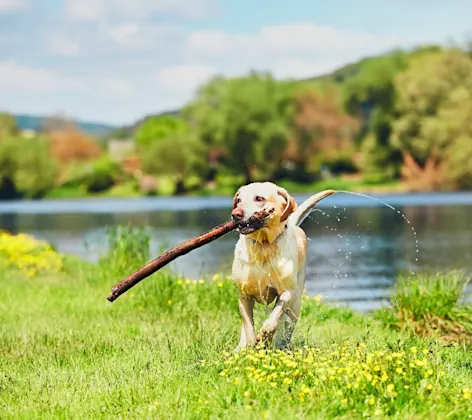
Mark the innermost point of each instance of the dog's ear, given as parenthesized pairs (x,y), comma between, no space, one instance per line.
(291,204)
(235,199)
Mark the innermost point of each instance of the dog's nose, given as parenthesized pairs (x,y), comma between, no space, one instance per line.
(237,214)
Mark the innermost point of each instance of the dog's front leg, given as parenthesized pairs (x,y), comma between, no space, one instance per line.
(270,325)
(246,309)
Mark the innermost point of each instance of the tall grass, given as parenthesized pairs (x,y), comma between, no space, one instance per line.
(432,304)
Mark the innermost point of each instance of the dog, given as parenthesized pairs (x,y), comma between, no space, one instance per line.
(270,259)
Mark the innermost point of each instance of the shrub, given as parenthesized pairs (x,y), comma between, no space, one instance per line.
(28,255)
(103,174)
(27,168)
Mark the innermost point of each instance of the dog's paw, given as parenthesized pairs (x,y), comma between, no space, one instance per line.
(265,335)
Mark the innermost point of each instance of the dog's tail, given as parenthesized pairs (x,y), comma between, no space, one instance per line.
(304,209)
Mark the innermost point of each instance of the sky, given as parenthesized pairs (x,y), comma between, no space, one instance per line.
(115,61)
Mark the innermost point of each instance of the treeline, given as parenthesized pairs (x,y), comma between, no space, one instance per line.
(402,117)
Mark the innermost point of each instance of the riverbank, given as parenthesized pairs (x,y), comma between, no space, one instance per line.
(227,187)
(164,348)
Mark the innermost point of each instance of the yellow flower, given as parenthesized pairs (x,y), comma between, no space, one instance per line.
(180,282)
(429,387)
(169,302)
(424,351)
(220,284)
(318,298)
(371,401)
(399,370)
(216,277)
(203,362)
(414,350)
(265,415)
(223,373)
(201,281)
(236,381)
(246,393)
(390,387)
(188,281)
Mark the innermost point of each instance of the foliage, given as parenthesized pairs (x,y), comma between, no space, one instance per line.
(73,146)
(321,133)
(178,155)
(348,377)
(27,254)
(431,305)
(247,118)
(102,175)
(27,168)
(435,122)
(155,129)
(128,249)
(8,125)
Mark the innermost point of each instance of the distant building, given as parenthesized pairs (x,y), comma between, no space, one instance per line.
(28,134)
(119,150)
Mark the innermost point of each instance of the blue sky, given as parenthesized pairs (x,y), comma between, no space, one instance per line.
(117,60)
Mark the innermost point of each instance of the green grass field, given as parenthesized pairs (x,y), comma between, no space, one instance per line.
(164,349)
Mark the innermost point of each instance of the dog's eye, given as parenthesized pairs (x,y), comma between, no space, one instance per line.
(238,200)
(259,198)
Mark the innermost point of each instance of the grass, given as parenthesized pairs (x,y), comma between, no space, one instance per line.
(163,350)
(432,305)
(227,185)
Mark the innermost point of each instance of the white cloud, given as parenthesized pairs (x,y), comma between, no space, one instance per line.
(62,45)
(138,36)
(7,6)
(18,77)
(117,87)
(290,50)
(96,10)
(183,78)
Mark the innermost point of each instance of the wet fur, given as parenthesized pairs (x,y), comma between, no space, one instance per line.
(270,263)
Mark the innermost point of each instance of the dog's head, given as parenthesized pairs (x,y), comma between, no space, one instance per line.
(262,197)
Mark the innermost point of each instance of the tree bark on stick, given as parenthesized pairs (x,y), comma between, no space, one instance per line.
(168,256)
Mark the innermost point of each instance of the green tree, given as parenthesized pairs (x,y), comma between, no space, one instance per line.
(247,117)
(157,128)
(435,125)
(178,155)
(27,168)
(8,125)
(102,175)
(371,95)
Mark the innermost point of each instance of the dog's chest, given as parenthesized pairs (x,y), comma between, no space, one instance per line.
(256,270)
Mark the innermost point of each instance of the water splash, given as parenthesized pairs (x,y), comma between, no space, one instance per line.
(394,209)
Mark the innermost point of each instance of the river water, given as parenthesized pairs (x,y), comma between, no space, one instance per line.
(357,246)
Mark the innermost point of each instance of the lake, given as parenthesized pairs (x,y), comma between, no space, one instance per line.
(357,245)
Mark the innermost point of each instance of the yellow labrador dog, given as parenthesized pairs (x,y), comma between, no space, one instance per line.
(269,258)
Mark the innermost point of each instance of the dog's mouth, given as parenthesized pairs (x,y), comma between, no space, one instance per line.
(251,225)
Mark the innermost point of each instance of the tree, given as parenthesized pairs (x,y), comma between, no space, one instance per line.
(178,155)
(27,168)
(247,117)
(371,96)
(8,125)
(434,129)
(157,128)
(321,131)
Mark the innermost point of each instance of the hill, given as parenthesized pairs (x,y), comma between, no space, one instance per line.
(35,122)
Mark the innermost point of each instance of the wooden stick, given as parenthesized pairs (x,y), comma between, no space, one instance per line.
(168,256)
